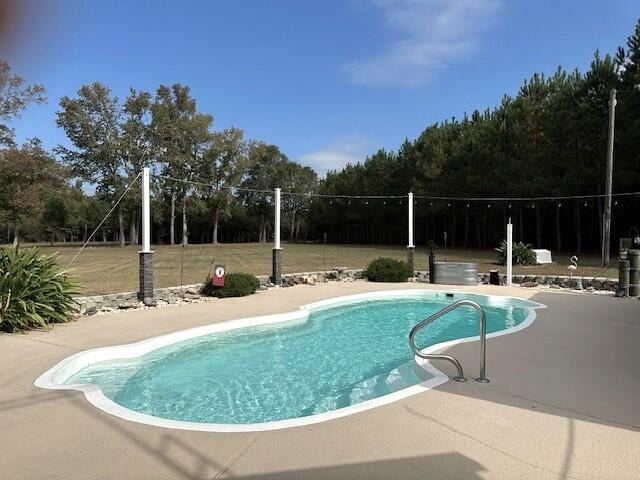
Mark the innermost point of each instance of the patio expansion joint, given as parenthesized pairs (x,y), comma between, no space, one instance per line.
(37,340)
(516,458)
(630,426)
(227,466)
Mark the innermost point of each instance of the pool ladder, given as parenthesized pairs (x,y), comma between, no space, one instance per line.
(433,356)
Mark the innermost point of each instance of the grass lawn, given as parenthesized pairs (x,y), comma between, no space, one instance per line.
(110,269)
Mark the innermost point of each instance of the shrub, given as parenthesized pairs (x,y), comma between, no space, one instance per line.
(235,285)
(34,293)
(387,270)
(521,254)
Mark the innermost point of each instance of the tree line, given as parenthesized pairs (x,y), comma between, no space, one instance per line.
(203,178)
(548,140)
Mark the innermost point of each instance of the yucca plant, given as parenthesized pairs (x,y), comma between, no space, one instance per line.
(34,292)
(521,254)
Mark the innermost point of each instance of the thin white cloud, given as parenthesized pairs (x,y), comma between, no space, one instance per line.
(336,156)
(324,160)
(431,35)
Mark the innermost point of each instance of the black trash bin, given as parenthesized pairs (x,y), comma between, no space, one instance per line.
(494,277)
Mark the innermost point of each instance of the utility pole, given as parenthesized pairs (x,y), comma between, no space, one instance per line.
(606,225)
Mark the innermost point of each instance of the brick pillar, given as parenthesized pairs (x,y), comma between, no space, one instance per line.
(410,255)
(146,276)
(276,276)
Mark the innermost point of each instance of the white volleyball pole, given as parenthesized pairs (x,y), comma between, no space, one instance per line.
(276,235)
(145,292)
(146,212)
(509,252)
(276,270)
(411,245)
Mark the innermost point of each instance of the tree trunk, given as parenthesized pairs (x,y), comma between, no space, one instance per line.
(216,220)
(121,227)
(578,229)
(521,232)
(453,226)
(298,228)
(262,235)
(264,231)
(538,229)
(466,228)
(133,234)
(172,222)
(558,233)
(104,236)
(426,229)
(293,223)
(185,233)
(600,220)
(84,238)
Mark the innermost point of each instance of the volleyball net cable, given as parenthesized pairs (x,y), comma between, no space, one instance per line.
(115,205)
(399,197)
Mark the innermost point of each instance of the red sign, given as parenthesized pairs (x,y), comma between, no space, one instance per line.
(217,280)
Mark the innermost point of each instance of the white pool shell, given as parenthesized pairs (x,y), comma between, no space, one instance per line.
(55,377)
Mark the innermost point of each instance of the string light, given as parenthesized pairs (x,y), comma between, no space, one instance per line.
(401,197)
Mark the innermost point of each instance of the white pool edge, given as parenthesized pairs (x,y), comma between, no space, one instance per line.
(54,377)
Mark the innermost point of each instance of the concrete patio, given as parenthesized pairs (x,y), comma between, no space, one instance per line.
(562,403)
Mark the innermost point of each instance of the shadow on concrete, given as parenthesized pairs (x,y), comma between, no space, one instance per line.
(578,360)
(44,397)
(427,467)
(185,461)
(568,453)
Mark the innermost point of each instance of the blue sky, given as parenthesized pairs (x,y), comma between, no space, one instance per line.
(327,81)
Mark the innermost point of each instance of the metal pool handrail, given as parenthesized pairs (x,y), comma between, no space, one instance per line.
(432,356)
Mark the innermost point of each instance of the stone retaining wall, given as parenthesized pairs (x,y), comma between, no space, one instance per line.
(91,305)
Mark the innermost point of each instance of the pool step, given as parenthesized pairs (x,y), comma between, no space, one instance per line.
(404,376)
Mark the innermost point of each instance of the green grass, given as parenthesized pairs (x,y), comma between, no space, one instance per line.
(110,269)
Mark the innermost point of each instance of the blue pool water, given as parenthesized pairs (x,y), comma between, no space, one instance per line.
(342,355)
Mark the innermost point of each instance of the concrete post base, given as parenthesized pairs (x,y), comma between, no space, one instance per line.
(276,276)
(410,259)
(146,276)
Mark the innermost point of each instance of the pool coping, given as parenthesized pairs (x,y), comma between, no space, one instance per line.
(53,378)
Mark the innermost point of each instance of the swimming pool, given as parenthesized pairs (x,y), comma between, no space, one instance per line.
(326,360)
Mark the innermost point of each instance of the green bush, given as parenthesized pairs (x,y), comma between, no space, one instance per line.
(521,254)
(235,285)
(34,293)
(387,270)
